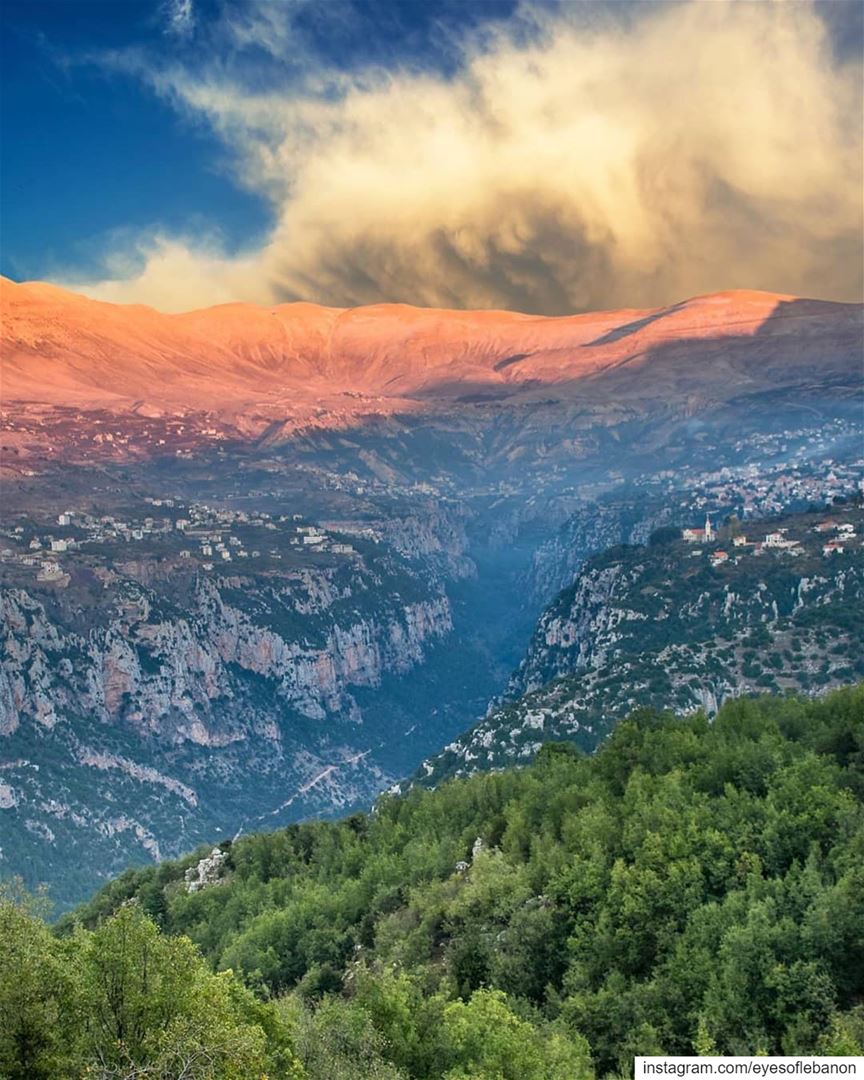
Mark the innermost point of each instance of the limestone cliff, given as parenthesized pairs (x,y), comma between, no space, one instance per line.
(136,718)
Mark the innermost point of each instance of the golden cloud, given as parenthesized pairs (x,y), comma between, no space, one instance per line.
(705,146)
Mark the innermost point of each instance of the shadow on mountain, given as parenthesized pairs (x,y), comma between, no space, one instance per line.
(632,327)
(803,346)
(508,361)
(802,343)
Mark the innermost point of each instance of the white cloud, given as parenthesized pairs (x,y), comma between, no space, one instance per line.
(179,17)
(702,146)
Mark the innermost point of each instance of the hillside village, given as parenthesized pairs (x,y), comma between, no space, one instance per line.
(835,534)
(195,534)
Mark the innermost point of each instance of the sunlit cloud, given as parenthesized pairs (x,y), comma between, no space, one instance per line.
(564,167)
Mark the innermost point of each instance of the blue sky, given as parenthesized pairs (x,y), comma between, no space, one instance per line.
(85,152)
(549,157)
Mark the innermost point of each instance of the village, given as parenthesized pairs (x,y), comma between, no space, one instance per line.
(40,432)
(833,536)
(777,473)
(201,536)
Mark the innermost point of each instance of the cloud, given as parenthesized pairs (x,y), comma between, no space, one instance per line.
(566,165)
(179,16)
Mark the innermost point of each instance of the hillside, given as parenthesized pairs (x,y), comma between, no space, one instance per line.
(693,886)
(770,605)
(150,700)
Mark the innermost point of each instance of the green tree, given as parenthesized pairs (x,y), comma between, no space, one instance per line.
(486,1040)
(37,993)
(151,1003)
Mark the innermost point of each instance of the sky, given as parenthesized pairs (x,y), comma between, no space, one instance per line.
(545,157)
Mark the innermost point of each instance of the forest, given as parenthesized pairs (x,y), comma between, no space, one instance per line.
(692,887)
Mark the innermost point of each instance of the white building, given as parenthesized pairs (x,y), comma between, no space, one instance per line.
(50,572)
(699,536)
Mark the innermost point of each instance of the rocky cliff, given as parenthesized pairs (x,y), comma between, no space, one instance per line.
(680,627)
(138,717)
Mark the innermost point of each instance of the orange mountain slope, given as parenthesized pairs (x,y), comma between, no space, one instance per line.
(59,347)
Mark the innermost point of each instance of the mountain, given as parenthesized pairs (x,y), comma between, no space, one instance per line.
(773,606)
(256,564)
(692,887)
(62,348)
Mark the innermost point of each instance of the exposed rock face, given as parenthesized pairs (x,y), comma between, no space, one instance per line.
(197,704)
(207,871)
(591,529)
(167,676)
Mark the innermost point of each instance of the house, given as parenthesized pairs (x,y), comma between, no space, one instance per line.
(719,557)
(832,548)
(739,541)
(58,545)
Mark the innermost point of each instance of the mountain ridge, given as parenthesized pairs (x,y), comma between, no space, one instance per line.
(63,347)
